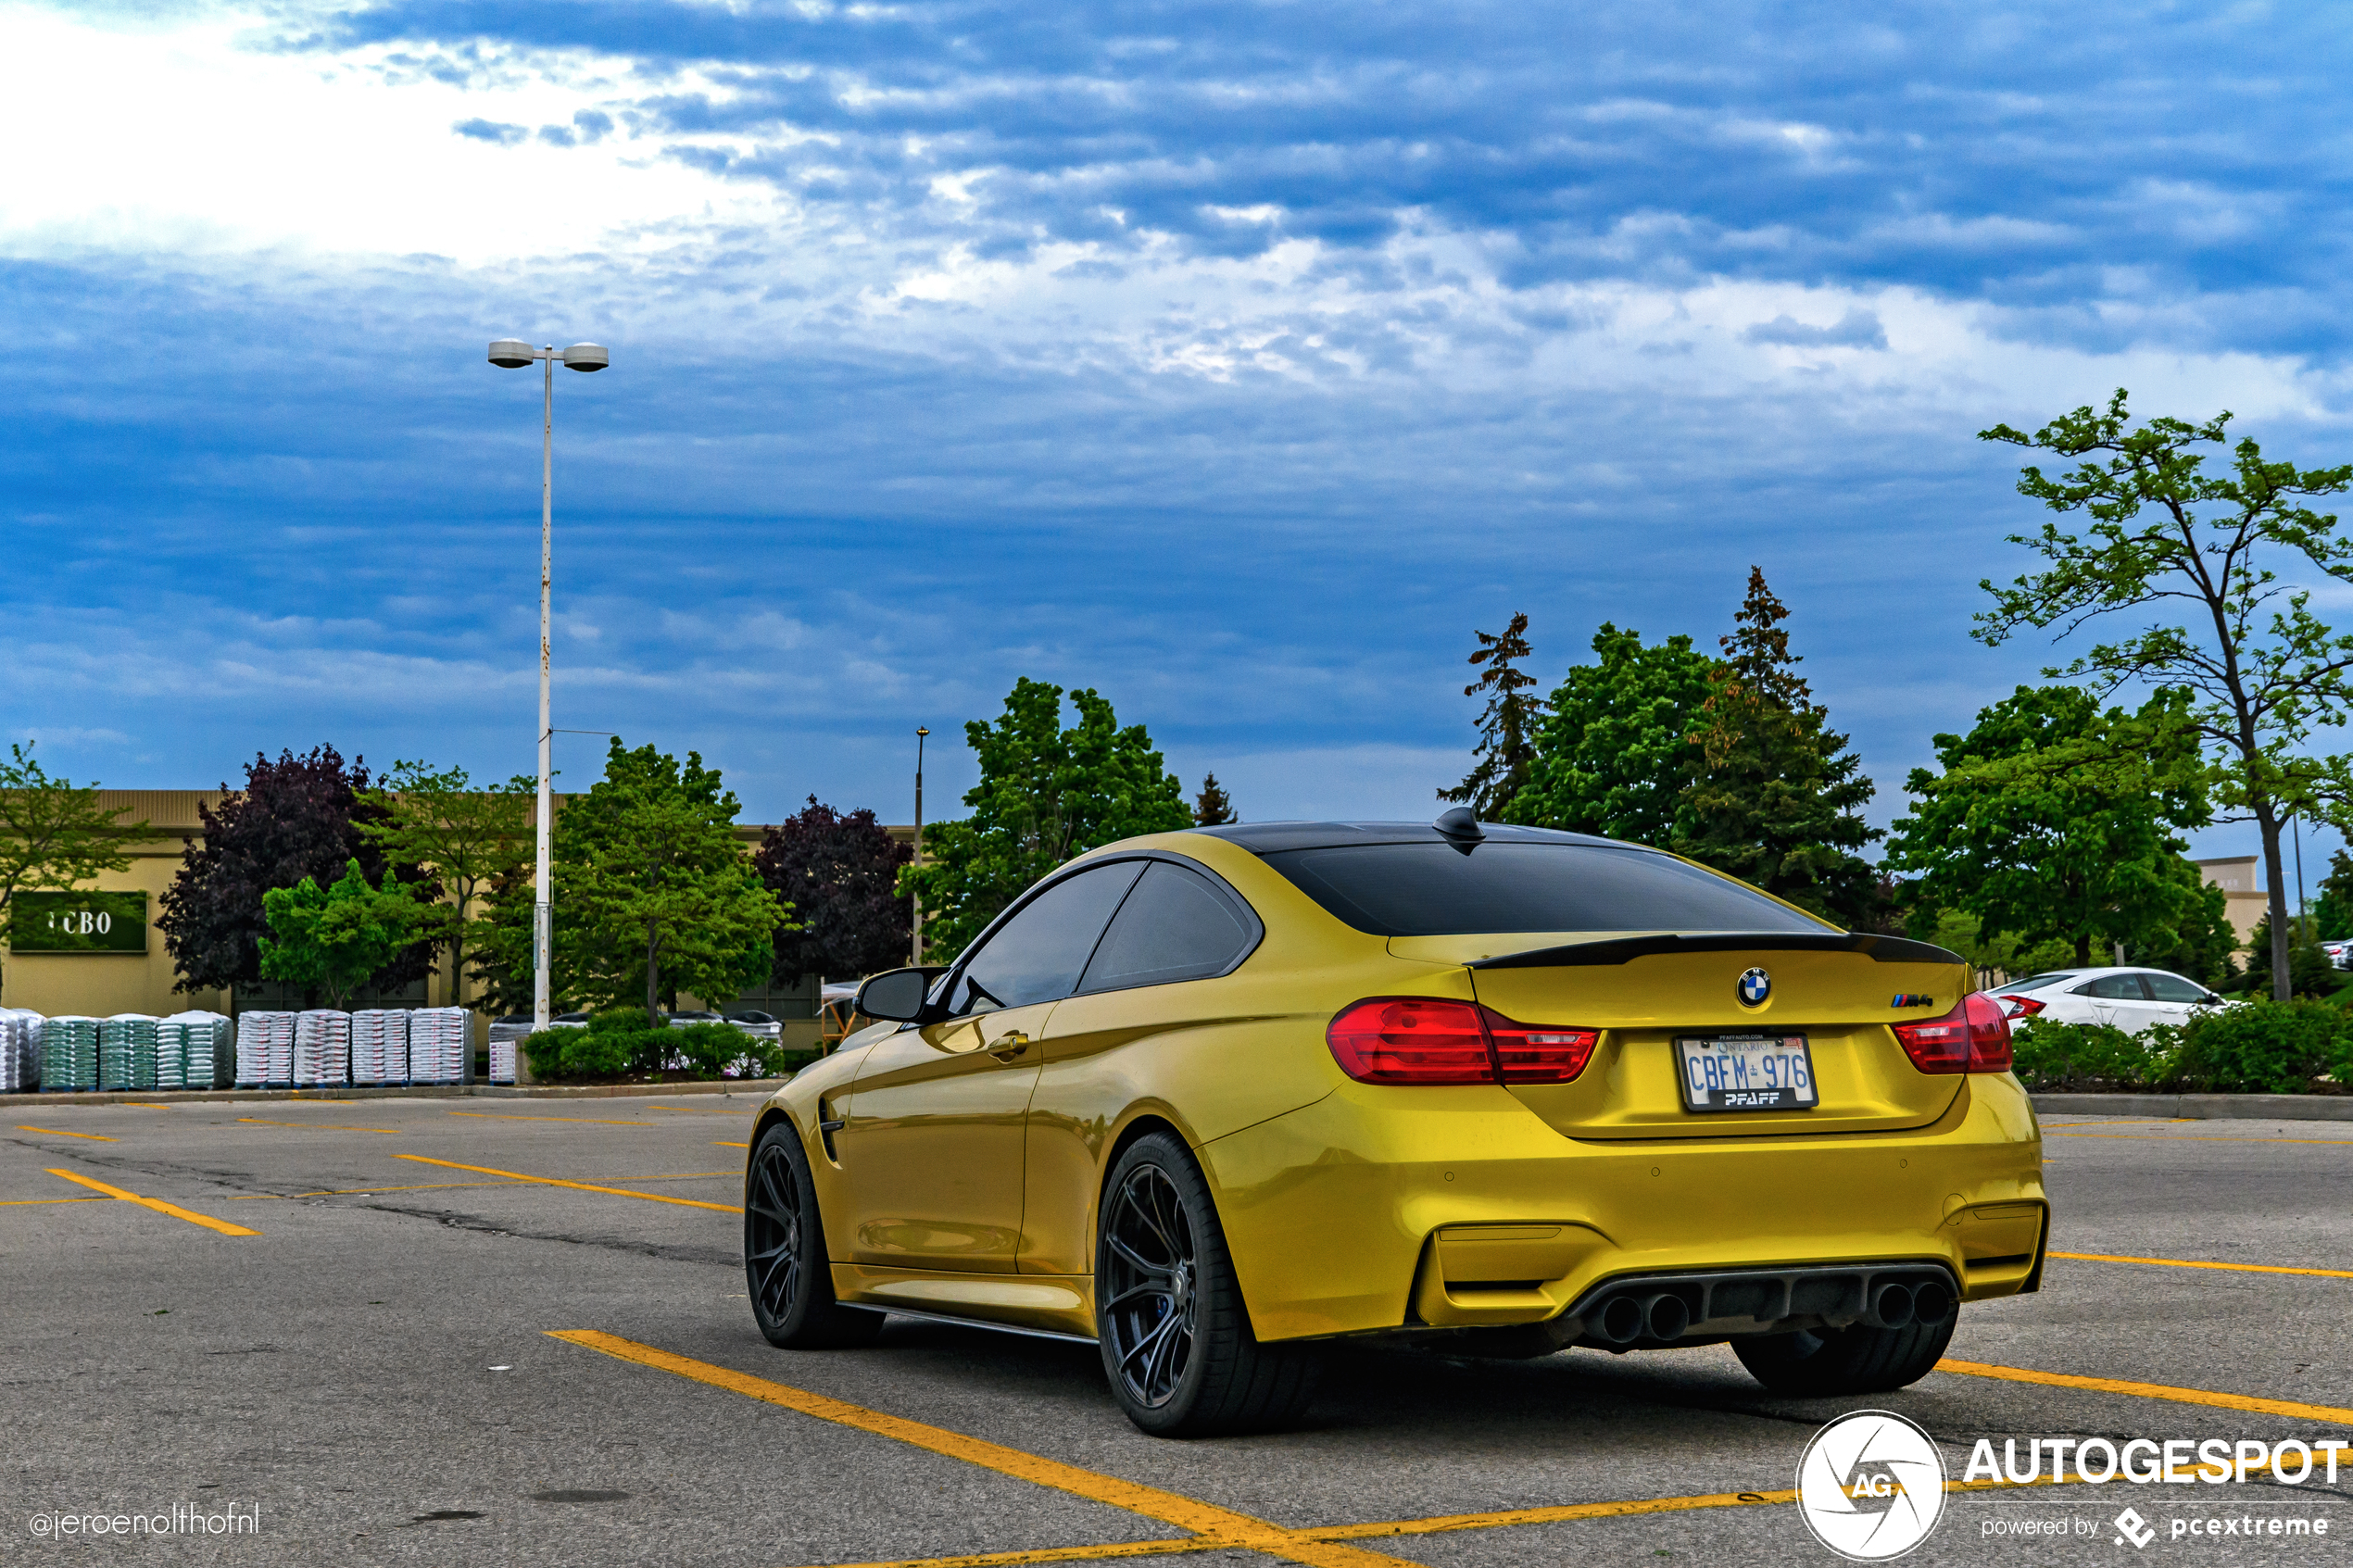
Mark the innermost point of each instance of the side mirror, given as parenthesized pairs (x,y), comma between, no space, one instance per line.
(897,994)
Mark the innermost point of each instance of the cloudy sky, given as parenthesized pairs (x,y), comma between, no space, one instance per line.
(1236,359)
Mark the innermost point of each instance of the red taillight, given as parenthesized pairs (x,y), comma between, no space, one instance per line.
(1974,1037)
(2020,1007)
(1427,1040)
(1535,1053)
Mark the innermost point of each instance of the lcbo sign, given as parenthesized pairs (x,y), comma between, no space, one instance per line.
(79,923)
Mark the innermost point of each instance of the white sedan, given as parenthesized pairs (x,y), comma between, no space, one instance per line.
(2132,1000)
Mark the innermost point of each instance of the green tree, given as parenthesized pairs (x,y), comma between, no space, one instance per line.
(1776,800)
(1613,751)
(53,835)
(334,940)
(1046,793)
(470,837)
(1213,807)
(2264,669)
(2202,939)
(653,894)
(2050,822)
(1506,725)
(2333,910)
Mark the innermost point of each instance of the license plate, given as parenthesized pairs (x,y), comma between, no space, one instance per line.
(1745,1072)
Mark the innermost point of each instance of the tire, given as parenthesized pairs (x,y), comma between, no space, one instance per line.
(784,1268)
(1845,1361)
(1169,1315)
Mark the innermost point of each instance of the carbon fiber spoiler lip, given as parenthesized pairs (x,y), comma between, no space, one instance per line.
(1624,949)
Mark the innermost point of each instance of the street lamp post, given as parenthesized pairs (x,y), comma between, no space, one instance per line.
(918,912)
(513,354)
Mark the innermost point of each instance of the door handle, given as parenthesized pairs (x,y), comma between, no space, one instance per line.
(1008,1045)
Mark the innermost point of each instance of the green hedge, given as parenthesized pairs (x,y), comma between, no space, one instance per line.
(2257,1048)
(621,1044)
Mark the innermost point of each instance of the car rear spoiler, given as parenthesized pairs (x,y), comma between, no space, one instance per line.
(1621,949)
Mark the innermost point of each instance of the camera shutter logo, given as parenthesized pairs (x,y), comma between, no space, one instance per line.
(1754,986)
(1871,1486)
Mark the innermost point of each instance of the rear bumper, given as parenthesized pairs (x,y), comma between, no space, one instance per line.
(1378,1209)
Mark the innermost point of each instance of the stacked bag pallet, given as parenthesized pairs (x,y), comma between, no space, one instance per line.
(380,1045)
(265,1050)
(194,1050)
(441,1046)
(127,1051)
(68,1053)
(19,1050)
(321,1048)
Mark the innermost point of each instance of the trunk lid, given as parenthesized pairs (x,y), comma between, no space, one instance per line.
(1644,991)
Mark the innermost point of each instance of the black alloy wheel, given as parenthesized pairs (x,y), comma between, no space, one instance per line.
(785,1271)
(1148,1311)
(1175,1332)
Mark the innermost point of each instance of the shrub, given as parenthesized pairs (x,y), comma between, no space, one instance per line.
(620,1043)
(2266,1048)
(2092,1056)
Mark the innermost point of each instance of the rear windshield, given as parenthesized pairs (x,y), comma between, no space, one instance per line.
(1435,890)
(2036,981)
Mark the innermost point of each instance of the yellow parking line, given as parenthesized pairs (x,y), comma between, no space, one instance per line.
(583,1121)
(2202,1137)
(2152,1391)
(143,1105)
(580,1186)
(1216,1528)
(33,1203)
(716,1145)
(157,1204)
(1226,1526)
(1054,1554)
(2194,1263)
(323,1126)
(62,1133)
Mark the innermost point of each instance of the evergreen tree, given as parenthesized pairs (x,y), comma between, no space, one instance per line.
(839,870)
(1506,725)
(1612,752)
(1777,796)
(1046,793)
(1213,807)
(2051,822)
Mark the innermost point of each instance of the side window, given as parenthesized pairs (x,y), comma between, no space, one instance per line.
(2174,988)
(1039,954)
(2114,988)
(1174,926)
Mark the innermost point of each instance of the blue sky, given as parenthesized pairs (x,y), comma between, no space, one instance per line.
(1238,360)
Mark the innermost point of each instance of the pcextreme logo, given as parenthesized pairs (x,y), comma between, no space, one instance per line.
(1871,1486)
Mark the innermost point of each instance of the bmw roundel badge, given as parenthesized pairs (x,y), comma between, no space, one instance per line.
(1755,987)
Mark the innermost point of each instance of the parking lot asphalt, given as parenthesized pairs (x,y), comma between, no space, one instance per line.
(380,1329)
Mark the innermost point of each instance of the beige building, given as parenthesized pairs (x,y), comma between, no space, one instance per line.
(2241,879)
(137,976)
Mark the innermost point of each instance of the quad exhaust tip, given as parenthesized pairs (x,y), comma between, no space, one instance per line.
(1622,1315)
(1893,1306)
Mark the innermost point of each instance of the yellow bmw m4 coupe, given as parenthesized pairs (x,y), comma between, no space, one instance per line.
(1212,1099)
